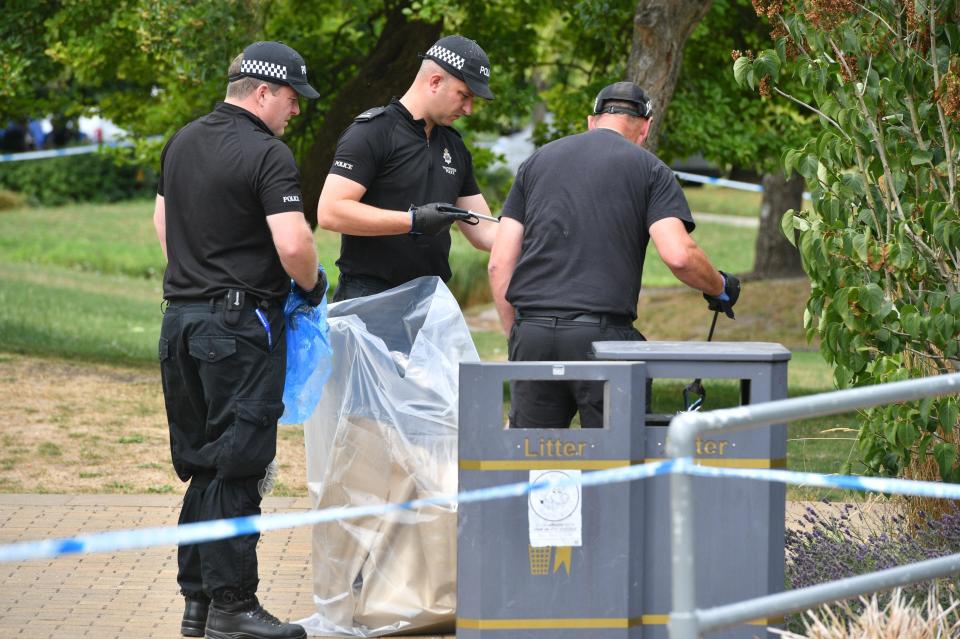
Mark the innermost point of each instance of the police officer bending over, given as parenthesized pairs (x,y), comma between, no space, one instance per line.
(230,220)
(566,266)
(394,168)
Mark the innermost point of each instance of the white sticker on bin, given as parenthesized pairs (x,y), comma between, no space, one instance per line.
(555,510)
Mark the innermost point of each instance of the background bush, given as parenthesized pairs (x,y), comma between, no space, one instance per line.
(94,177)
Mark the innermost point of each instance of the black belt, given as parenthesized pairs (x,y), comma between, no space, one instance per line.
(230,299)
(568,317)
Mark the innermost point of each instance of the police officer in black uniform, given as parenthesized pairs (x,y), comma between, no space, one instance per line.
(230,220)
(396,165)
(566,266)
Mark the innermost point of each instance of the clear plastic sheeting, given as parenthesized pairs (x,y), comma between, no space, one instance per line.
(385,431)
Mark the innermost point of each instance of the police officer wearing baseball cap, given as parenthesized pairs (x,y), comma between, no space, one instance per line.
(394,168)
(229,217)
(566,266)
(275,62)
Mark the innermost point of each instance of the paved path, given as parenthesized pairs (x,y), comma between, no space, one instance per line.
(131,594)
(730,220)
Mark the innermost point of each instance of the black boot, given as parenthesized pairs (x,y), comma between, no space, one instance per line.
(194,617)
(248,620)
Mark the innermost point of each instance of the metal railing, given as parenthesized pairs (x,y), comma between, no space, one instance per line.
(686,621)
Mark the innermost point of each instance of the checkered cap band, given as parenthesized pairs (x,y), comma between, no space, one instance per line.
(261,68)
(446,55)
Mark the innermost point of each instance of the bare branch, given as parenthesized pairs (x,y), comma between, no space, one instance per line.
(815,110)
(895,33)
(951,169)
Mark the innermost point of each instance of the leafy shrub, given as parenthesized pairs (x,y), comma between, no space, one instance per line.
(899,619)
(881,241)
(844,541)
(93,177)
(11,200)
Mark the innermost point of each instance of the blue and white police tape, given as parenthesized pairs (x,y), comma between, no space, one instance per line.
(730,184)
(908,487)
(68,150)
(224,528)
(706,179)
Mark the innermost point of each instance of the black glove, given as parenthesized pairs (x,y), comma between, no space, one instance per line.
(314,296)
(725,301)
(432,219)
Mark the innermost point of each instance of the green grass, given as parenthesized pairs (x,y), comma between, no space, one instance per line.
(84,281)
(116,239)
(49,449)
(48,310)
(723,201)
(107,239)
(161,489)
(730,248)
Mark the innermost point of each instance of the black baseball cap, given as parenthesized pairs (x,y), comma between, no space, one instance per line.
(623,92)
(276,62)
(465,60)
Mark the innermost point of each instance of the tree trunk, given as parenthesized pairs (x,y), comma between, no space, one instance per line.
(386,72)
(660,30)
(776,256)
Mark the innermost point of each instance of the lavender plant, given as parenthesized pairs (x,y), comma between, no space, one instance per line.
(838,541)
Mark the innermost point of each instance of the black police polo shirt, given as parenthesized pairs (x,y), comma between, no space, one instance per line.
(390,155)
(220,177)
(586,203)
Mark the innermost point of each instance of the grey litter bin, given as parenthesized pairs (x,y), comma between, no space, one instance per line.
(617,583)
(739,523)
(506,587)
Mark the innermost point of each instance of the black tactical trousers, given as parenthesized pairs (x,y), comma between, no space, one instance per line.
(353,286)
(540,337)
(223,388)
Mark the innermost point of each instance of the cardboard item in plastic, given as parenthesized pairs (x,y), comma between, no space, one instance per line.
(385,431)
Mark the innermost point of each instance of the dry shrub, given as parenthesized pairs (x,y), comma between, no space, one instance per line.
(11,200)
(898,619)
(919,509)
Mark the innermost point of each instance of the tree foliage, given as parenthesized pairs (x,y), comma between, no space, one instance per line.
(882,243)
(153,66)
(29,75)
(712,114)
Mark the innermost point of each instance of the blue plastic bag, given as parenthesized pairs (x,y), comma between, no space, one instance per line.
(308,357)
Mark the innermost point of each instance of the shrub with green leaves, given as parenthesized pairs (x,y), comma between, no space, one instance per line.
(882,241)
(94,177)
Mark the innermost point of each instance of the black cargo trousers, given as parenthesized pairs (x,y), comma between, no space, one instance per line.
(561,336)
(223,389)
